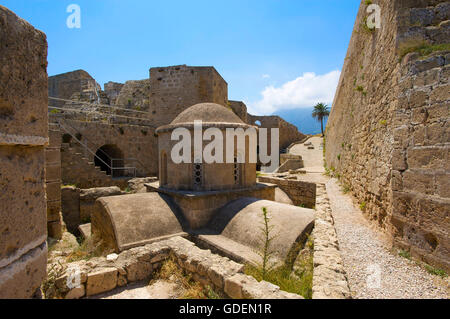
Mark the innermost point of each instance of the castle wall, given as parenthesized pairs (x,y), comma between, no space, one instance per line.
(288,133)
(23,137)
(240,109)
(173,89)
(387,134)
(78,83)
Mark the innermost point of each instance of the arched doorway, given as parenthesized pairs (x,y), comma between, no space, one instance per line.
(110,159)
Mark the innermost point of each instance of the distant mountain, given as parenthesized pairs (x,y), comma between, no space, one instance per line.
(303,119)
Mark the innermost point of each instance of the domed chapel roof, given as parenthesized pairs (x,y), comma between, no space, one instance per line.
(207,113)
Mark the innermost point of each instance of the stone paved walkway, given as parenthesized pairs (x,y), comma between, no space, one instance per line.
(373,270)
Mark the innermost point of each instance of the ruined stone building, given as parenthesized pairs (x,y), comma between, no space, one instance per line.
(388,133)
(125,131)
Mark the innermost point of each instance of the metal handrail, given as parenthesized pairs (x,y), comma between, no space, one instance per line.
(87,147)
(112,168)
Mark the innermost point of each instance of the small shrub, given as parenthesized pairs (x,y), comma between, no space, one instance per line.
(345,188)
(266,252)
(383,122)
(339,157)
(435,271)
(362,206)
(360,89)
(404,254)
(368,2)
(298,281)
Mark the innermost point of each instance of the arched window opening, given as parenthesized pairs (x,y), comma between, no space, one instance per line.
(163,171)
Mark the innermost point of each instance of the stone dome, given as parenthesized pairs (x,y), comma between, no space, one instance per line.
(207,113)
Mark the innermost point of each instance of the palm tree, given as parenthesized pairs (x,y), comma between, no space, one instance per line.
(320,112)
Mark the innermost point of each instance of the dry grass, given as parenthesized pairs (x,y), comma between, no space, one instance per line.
(170,271)
(87,250)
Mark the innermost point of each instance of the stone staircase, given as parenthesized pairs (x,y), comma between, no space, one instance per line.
(78,167)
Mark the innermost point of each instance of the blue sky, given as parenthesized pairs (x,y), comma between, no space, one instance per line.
(257,46)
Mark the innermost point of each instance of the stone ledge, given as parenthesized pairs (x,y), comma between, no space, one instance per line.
(99,275)
(329,277)
(12,139)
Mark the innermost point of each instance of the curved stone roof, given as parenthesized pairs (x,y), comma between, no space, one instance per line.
(124,222)
(207,113)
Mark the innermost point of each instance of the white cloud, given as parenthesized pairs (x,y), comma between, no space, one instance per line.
(266,76)
(305,91)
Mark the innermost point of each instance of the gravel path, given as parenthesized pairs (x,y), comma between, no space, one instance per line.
(373,271)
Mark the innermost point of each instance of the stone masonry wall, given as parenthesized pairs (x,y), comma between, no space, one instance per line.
(387,135)
(301,193)
(173,89)
(23,137)
(53,183)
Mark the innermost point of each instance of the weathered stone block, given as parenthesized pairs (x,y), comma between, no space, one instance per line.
(440,94)
(443,184)
(398,160)
(76,293)
(22,201)
(53,173)
(53,191)
(101,280)
(419,181)
(21,278)
(138,270)
(52,156)
(428,157)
